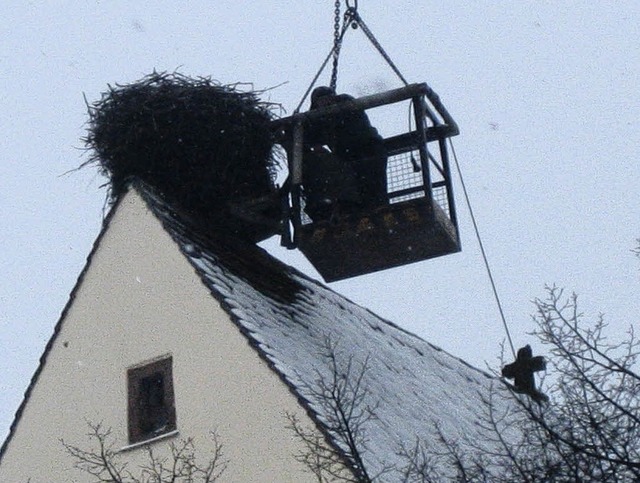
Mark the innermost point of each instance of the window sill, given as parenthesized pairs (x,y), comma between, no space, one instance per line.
(149,441)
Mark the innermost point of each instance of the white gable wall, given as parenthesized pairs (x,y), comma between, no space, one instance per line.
(138,300)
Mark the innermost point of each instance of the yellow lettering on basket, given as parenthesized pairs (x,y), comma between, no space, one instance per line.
(339,231)
(389,220)
(411,214)
(319,234)
(364,225)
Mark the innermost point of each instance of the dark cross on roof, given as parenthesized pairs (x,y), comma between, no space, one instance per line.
(521,371)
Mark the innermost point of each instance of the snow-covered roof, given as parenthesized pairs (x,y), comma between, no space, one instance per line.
(295,323)
(292,320)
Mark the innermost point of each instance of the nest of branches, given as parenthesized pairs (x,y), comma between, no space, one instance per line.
(200,144)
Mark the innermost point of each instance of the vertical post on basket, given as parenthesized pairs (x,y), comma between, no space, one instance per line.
(296,178)
(419,110)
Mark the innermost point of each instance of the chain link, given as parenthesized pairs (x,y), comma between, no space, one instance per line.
(351,19)
(336,45)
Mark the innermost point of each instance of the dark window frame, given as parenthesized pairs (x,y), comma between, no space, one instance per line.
(151,400)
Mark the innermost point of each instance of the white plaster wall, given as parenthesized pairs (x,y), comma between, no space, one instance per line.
(141,299)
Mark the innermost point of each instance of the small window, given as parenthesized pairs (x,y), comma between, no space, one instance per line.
(151,404)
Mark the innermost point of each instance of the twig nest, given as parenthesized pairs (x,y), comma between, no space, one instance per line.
(200,144)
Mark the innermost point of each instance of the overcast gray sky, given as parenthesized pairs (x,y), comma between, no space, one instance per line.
(546,94)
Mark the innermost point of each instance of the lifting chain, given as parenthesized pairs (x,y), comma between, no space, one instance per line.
(337,40)
(351,19)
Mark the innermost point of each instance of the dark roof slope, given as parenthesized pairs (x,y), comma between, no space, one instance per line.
(291,320)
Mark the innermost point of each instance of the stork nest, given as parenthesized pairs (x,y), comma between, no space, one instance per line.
(200,144)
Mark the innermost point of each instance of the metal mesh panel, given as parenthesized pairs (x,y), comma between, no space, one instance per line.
(410,196)
(402,175)
(440,197)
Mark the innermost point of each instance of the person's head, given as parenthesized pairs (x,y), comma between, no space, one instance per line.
(321,96)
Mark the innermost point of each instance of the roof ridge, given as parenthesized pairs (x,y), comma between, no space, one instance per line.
(409,375)
(241,257)
(230,249)
(285,315)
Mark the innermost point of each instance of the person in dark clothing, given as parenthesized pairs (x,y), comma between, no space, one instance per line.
(357,145)
(329,184)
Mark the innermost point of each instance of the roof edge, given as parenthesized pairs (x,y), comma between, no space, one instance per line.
(167,220)
(56,330)
(147,193)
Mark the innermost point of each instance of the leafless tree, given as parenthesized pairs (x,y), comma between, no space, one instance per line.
(342,396)
(589,431)
(318,456)
(106,464)
(595,415)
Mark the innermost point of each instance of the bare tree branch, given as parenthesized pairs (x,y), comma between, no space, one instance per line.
(319,457)
(589,430)
(340,391)
(181,466)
